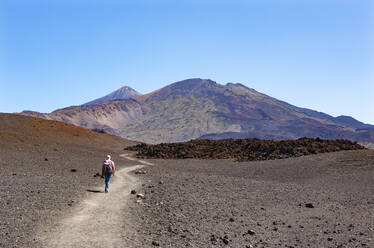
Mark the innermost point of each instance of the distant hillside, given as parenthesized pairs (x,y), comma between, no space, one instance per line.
(196,108)
(108,116)
(120,94)
(24,131)
(349,121)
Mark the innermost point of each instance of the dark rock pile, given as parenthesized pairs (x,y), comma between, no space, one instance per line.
(242,149)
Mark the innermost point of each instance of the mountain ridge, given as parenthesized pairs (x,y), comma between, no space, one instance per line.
(196,108)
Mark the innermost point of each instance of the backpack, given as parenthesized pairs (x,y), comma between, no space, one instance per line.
(108,170)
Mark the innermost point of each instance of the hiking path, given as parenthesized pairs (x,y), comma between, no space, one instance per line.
(100,219)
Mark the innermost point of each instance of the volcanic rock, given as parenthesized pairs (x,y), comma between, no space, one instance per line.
(140,196)
(309,205)
(155,243)
(242,150)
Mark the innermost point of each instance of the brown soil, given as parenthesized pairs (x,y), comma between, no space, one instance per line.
(242,149)
(46,168)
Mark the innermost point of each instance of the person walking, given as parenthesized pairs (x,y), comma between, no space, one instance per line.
(108,170)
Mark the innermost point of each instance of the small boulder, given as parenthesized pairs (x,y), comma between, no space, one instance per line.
(140,196)
(213,238)
(251,232)
(133,192)
(73,170)
(309,205)
(155,243)
(140,172)
(225,240)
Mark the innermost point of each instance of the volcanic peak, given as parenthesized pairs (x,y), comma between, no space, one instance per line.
(125,92)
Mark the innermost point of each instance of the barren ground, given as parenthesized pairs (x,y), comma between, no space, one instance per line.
(47,188)
(205,203)
(100,220)
(46,170)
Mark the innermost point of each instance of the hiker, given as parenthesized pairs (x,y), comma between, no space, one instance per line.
(108,169)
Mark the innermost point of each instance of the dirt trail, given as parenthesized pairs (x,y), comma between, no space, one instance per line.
(98,221)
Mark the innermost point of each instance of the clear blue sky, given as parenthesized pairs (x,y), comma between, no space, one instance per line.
(317,54)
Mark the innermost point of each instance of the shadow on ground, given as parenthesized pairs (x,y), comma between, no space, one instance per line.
(94,191)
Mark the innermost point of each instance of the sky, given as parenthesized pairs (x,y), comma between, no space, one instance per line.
(316,54)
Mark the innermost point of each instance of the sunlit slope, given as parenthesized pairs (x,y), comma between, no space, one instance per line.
(201,108)
(22,131)
(192,108)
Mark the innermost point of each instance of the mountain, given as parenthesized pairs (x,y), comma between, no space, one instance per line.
(349,121)
(107,116)
(201,108)
(120,94)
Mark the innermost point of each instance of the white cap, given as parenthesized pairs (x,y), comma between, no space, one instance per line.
(108,157)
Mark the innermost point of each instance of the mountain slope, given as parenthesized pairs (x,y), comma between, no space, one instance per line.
(196,108)
(192,108)
(349,121)
(120,94)
(108,116)
(21,131)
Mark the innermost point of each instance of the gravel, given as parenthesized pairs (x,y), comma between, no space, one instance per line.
(46,168)
(222,203)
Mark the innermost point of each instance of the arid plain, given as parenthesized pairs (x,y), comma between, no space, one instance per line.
(323,200)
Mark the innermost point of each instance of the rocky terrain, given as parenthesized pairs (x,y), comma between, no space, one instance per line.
(245,149)
(323,200)
(46,168)
(49,168)
(201,108)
